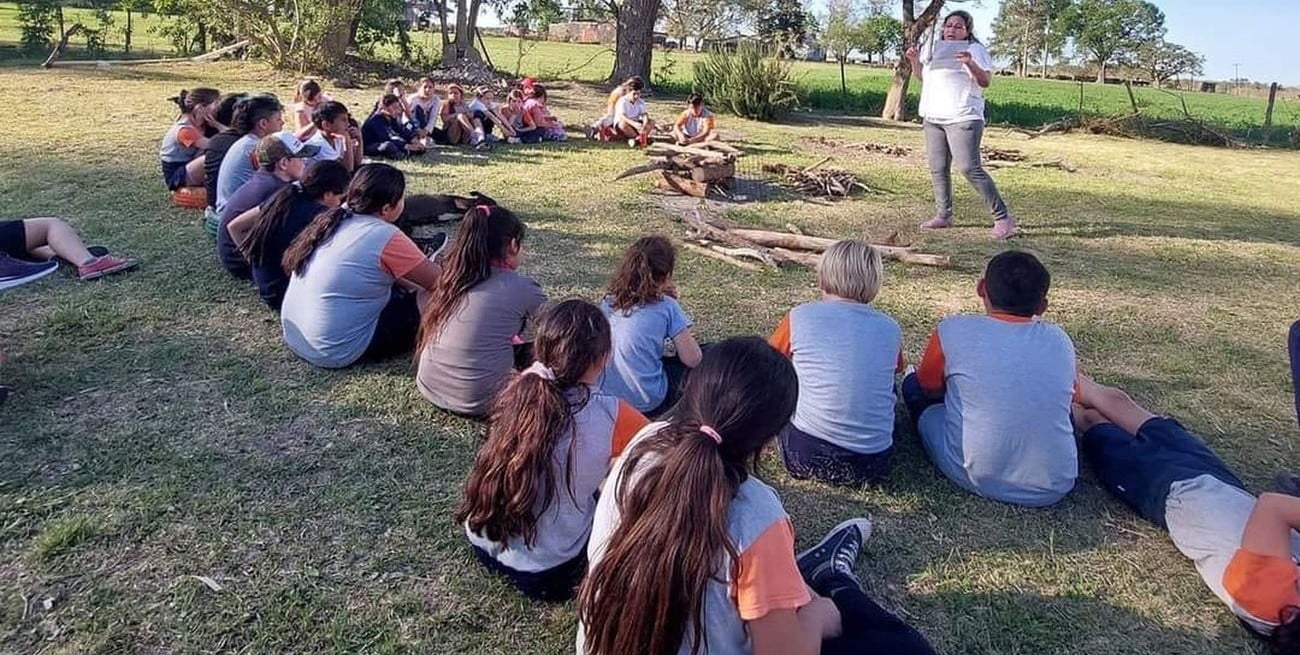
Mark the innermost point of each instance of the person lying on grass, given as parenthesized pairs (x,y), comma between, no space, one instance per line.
(696,124)
(551,434)
(183,144)
(632,119)
(691,552)
(48,239)
(282,160)
(385,134)
(1243,547)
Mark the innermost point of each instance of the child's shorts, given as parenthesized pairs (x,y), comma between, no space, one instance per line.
(13,239)
(173,174)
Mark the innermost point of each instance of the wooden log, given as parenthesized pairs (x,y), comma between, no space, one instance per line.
(689,150)
(713,232)
(723,147)
(711,254)
(62,45)
(197,59)
(713,173)
(683,185)
(786,241)
(655,165)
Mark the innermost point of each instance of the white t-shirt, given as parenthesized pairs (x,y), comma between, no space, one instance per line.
(953,96)
(432,107)
(331,148)
(626,108)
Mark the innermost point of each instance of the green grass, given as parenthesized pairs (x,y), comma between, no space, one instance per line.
(59,536)
(321,501)
(145,42)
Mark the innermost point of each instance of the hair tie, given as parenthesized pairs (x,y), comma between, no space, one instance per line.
(486,209)
(540,370)
(712,434)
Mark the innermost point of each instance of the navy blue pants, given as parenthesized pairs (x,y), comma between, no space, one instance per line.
(1293,347)
(807,457)
(554,585)
(868,627)
(915,398)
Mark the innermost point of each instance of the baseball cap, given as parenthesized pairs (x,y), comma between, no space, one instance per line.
(282,145)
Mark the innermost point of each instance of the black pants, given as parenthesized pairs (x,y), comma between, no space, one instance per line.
(554,585)
(487,123)
(868,627)
(1293,347)
(398,325)
(391,149)
(807,457)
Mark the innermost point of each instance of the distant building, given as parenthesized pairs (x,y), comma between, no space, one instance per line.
(596,32)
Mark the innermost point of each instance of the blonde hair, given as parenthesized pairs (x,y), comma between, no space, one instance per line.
(852,270)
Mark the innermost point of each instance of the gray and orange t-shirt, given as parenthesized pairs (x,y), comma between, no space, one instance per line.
(763,579)
(181,143)
(602,427)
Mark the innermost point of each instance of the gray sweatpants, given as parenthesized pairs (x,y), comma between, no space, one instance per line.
(959,143)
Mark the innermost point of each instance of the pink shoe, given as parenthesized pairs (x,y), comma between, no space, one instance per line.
(1004,229)
(937,223)
(104,265)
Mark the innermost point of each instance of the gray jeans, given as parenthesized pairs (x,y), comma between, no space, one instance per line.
(959,143)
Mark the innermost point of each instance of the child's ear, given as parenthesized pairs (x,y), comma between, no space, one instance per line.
(513,248)
(982,288)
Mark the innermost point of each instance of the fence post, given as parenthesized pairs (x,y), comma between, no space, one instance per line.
(1268,113)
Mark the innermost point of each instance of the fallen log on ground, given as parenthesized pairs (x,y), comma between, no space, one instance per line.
(783,240)
(720,256)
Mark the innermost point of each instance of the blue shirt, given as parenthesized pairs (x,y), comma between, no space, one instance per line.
(261,186)
(236,168)
(635,371)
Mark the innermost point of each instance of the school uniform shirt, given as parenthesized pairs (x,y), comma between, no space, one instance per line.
(602,427)
(466,362)
(953,96)
(626,109)
(846,355)
(1206,519)
(1004,429)
(380,128)
(269,275)
(424,112)
(764,578)
(330,311)
(180,143)
(236,167)
(213,157)
(252,194)
(692,125)
(635,371)
(330,147)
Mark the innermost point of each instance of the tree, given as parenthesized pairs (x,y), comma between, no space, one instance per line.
(634,46)
(699,20)
(843,34)
(1112,31)
(1029,31)
(1162,60)
(914,26)
(881,33)
(784,23)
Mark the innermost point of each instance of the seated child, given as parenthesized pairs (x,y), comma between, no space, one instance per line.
(632,120)
(394,87)
(991,398)
(641,304)
(603,128)
(426,108)
(336,137)
(306,100)
(385,134)
(696,124)
(538,115)
(256,117)
(550,438)
(486,118)
(846,354)
(354,278)
(685,529)
(456,120)
(513,115)
(476,313)
(183,145)
(1244,548)
(218,145)
(46,239)
(265,235)
(282,160)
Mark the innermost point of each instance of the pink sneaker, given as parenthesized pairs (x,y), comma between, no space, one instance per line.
(1004,229)
(937,223)
(104,265)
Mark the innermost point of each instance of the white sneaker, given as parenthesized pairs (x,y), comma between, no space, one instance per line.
(513,139)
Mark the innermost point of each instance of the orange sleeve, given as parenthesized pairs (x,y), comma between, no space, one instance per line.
(188,136)
(1078,390)
(400,255)
(780,339)
(627,423)
(613,100)
(931,371)
(1262,585)
(767,576)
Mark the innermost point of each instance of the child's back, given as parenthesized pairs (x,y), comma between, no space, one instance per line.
(635,371)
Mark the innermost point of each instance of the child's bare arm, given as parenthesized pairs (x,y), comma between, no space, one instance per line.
(1268,532)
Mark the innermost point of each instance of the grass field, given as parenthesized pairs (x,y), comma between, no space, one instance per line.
(161,430)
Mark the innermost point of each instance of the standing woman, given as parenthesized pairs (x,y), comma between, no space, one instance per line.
(952,104)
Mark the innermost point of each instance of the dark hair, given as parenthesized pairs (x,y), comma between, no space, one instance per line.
(327,111)
(389,99)
(513,479)
(635,83)
(1285,639)
(484,237)
(965,18)
(308,90)
(1016,283)
(324,177)
(648,589)
(225,112)
(188,101)
(695,100)
(251,111)
(373,187)
(392,83)
(646,264)
(537,91)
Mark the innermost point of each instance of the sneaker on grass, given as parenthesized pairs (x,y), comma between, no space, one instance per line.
(104,265)
(432,245)
(17,272)
(837,552)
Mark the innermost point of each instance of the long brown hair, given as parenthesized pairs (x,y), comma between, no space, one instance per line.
(641,274)
(483,239)
(324,177)
(647,591)
(513,470)
(373,187)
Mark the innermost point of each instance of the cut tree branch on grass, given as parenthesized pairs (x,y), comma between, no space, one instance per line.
(62,45)
(786,241)
(825,182)
(713,254)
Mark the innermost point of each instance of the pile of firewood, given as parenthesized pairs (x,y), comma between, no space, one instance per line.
(864,146)
(754,250)
(700,170)
(999,154)
(816,181)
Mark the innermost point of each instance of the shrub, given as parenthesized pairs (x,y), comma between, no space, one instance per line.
(749,83)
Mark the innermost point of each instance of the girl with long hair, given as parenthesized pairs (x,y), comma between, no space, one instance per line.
(476,312)
(264,236)
(641,303)
(354,278)
(183,144)
(691,553)
(307,98)
(550,437)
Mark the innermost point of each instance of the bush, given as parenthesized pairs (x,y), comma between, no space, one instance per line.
(749,83)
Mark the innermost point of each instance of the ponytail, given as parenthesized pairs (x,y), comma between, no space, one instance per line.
(646,594)
(648,262)
(373,187)
(304,246)
(189,100)
(484,239)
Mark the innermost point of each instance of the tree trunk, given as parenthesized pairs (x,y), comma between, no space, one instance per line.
(634,51)
(462,49)
(126,49)
(913,27)
(844,87)
(1101,72)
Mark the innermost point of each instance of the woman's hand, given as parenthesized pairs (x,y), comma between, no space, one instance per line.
(912,53)
(964,57)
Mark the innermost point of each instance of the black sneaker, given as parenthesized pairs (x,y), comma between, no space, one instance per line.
(836,553)
(1287,483)
(432,245)
(17,272)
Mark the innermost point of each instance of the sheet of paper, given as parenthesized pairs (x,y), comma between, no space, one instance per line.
(944,55)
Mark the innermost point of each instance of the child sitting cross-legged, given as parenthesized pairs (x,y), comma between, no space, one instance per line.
(385,134)
(696,124)
(846,354)
(632,119)
(991,398)
(644,314)
(530,496)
